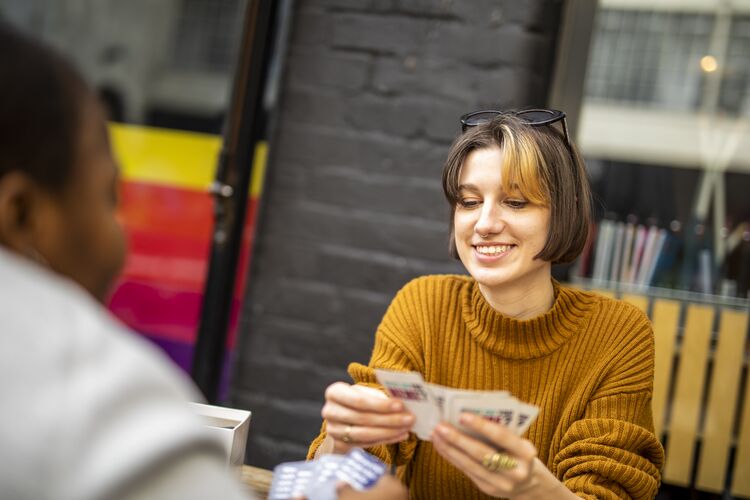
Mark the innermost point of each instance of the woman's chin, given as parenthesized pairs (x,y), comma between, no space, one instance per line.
(491,279)
(504,278)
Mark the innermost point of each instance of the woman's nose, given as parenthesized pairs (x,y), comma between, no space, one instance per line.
(490,220)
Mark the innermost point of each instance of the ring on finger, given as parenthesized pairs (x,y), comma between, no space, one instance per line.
(347,437)
(498,461)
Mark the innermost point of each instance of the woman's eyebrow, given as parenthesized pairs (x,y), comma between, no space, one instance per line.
(468,187)
(514,189)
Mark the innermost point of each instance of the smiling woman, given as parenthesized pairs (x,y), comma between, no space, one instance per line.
(520,202)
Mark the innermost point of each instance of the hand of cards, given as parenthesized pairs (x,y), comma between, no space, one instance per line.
(432,403)
(317,479)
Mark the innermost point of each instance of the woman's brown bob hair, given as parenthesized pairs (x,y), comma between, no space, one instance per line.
(538,163)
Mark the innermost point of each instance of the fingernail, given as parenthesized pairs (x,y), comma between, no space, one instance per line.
(443,430)
(408,419)
(466,418)
(396,406)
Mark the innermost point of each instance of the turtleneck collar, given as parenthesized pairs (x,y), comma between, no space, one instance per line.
(524,339)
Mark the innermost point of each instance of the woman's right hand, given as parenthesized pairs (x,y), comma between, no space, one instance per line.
(359,416)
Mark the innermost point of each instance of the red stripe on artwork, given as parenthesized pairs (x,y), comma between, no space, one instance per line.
(170,210)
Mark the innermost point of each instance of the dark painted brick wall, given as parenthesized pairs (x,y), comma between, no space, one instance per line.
(353,207)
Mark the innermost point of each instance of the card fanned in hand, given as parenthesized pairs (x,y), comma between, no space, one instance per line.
(433,403)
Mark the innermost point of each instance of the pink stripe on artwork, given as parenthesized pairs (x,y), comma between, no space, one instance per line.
(158,309)
(165,313)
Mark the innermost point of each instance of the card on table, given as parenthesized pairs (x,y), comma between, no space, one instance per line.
(291,480)
(317,479)
(360,469)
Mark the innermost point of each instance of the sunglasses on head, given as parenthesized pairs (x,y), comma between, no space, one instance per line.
(532,117)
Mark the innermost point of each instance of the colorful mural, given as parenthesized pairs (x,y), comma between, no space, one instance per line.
(167,213)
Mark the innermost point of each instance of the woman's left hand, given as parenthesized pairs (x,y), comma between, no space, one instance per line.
(506,468)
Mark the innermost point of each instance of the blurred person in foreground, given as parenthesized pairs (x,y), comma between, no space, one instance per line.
(89,411)
(520,202)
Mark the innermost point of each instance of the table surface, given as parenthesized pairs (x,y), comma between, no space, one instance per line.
(257,480)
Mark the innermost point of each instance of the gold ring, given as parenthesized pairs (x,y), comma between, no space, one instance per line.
(498,461)
(347,437)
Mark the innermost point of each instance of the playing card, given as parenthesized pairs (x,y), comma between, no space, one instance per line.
(291,479)
(431,403)
(321,490)
(323,486)
(443,395)
(526,414)
(317,479)
(410,388)
(439,395)
(500,409)
(450,394)
(360,469)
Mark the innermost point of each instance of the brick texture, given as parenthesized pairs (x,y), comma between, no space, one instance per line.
(352,207)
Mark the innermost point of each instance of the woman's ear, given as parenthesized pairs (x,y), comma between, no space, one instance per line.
(18,197)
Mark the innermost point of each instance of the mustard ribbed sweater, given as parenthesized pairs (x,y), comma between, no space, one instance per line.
(587,363)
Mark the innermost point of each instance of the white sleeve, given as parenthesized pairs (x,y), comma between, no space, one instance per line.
(128,431)
(90,411)
(191,476)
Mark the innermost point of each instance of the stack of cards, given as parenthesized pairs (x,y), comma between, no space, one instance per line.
(432,403)
(317,479)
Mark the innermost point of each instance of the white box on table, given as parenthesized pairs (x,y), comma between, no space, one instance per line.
(230,425)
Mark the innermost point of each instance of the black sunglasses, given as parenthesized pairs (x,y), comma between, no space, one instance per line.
(533,117)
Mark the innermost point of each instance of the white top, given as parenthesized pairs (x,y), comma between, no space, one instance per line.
(87,409)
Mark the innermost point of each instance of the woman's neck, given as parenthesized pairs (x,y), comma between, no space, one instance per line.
(521,301)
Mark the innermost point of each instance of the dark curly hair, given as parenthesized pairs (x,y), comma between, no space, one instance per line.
(41,97)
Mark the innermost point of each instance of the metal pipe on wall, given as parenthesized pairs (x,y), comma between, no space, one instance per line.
(243,128)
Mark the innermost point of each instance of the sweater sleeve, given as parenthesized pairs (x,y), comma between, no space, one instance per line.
(612,451)
(607,457)
(398,347)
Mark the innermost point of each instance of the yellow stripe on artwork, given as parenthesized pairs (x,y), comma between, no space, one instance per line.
(259,169)
(175,157)
(162,156)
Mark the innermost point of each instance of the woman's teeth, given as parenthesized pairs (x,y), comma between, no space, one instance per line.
(493,249)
